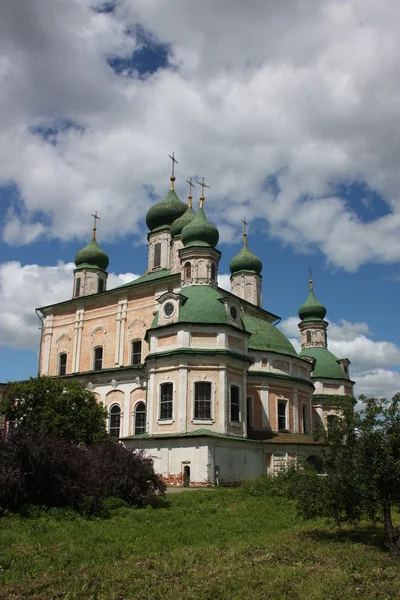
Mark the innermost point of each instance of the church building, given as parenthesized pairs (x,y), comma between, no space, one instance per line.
(197,377)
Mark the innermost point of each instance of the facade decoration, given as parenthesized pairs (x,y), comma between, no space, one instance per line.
(198,377)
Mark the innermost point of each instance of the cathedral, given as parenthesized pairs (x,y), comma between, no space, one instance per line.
(197,377)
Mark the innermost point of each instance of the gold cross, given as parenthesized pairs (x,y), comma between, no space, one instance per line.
(203,185)
(191,185)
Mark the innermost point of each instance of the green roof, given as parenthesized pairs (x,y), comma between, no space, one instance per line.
(147,277)
(312,308)
(202,305)
(164,213)
(265,336)
(326,365)
(200,232)
(92,256)
(182,221)
(245,260)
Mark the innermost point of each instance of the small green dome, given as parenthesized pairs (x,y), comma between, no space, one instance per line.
(182,221)
(245,260)
(326,363)
(200,232)
(92,256)
(312,309)
(164,213)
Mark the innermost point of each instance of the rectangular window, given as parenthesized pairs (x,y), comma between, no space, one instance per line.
(235,404)
(77,287)
(249,407)
(281,416)
(202,400)
(305,420)
(62,364)
(157,256)
(136,352)
(166,401)
(100,287)
(98,358)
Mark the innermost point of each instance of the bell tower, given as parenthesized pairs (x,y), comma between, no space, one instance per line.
(90,275)
(313,327)
(246,270)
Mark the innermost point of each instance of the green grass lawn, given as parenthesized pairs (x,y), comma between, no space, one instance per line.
(203,545)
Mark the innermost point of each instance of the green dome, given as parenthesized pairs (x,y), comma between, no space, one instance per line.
(164,213)
(92,256)
(202,306)
(326,365)
(245,260)
(200,232)
(180,223)
(312,309)
(265,336)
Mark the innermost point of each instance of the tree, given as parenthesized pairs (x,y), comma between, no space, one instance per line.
(361,456)
(55,406)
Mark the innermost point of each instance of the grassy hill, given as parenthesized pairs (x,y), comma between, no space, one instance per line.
(202,545)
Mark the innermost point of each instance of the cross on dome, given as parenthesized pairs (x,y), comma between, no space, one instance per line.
(203,185)
(173,159)
(96,217)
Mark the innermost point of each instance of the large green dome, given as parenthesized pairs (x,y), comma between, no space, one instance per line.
(181,222)
(164,213)
(245,260)
(312,308)
(200,232)
(92,256)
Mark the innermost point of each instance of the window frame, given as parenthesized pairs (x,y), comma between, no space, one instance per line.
(187,270)
(78,286)
(157,255)
(308,336)
(239,419)
(304,418)
(196,402)
(283,402)
(133,353)
(166,414)
(110,415)
(59,366)
(97,359)
(135,415)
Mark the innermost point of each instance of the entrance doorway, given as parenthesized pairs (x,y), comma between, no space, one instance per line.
(186,476)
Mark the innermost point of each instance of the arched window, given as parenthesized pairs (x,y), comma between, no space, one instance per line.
(157,255)
(202,400)
(77,287)
(166,401)
(136,352)
(308,336)
(115,421)
(62,363)
(213,271)
(235,404)
(188,270)
(98,358)
(140,418)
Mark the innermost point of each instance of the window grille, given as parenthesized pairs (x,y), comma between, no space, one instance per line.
(140,418)
(166,401)
(115,421)
(281,416)
(202,400)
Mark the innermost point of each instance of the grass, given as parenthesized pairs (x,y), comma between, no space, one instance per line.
(220,544)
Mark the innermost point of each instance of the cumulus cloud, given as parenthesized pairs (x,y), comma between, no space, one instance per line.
(24,288)
(373,363)
(304,95)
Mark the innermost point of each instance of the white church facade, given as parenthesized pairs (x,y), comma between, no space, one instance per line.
(197,377)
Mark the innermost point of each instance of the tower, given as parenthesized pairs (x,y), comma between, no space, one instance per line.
(313,326)
(199,259)
(246,273)
(159,220)
(90,275)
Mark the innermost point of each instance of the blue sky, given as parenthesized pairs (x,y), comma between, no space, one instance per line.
(286,111)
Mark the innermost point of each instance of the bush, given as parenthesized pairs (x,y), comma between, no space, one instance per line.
(42,470)
(283,484)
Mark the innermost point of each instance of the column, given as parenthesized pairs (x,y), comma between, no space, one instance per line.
(295,411)
(265,407)
(223,400)
(127,413)
(182,399)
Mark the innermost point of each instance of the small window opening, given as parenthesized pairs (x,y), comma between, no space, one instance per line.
(188,270)
(249,412)
(281,416)
(235,404)
(213,271)
(308,336)
(115,421)
(62,364)
(77,287)
(140,418)
(166,401)
(305,418)
(136,352)
(157,256)
(98,358)
(100,286)
(202,400)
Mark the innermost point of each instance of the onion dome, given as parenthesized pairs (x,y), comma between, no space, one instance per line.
(92,256)
(245,260)
(312,309)
(184,220)
(200,232)
(164,213)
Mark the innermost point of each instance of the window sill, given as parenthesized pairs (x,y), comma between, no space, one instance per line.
(165,421)
(203,421)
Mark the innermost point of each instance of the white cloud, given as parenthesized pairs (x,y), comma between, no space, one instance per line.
(224,281)
(24,288)
(306,91)
(373,363)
